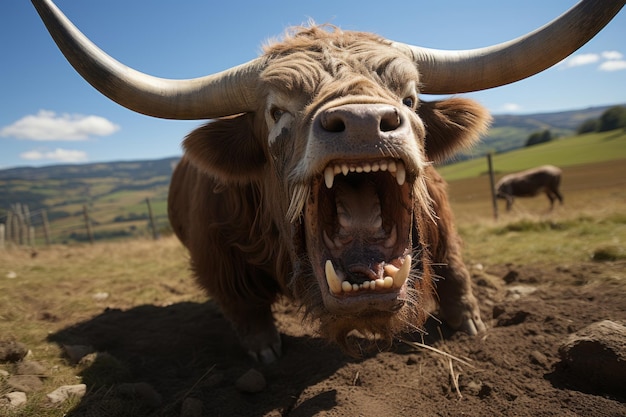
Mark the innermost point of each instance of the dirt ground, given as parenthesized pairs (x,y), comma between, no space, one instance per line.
(187,353)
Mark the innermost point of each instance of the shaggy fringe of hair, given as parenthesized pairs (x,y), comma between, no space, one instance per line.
(299,195)
(379,329)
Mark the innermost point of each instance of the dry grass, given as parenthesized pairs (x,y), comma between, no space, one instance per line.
(44,291)
(591,220)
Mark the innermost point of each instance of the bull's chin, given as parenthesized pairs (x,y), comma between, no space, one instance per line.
(387,293)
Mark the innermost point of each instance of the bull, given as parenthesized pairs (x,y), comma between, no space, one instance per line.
(529,183)
(314,179)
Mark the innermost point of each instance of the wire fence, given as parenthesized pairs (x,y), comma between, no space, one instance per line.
(22,227)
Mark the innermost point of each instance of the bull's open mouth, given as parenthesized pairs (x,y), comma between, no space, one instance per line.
(359,221)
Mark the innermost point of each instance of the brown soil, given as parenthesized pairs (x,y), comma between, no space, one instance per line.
(189,355)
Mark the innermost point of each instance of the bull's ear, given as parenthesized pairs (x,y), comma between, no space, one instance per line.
(452,125)
(226,149)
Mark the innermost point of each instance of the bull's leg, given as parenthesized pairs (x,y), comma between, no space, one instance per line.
(551,198)
(458,305)
(558,195)
(245,296)
(249,309)
(257,333)
(509,202)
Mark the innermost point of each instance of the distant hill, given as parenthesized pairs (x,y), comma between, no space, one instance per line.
(510,132)
(114,193)
(137,170)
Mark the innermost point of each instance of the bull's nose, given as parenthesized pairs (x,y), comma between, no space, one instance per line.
(359,119)
(360,131)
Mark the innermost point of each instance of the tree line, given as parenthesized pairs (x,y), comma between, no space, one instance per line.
(613,118)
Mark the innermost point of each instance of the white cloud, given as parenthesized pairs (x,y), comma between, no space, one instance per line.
(511,107)
(612,55)
(608,61)
(613,65)
(580,59)
(57,155)
(48,126)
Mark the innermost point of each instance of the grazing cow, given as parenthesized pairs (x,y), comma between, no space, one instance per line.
(316,182)
(529,183)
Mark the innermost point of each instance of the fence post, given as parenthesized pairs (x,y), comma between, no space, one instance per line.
(88,224)
(493,187)
(46,226)
(2,231)
(9,230)
(30,234)
(18,222)
(155,233)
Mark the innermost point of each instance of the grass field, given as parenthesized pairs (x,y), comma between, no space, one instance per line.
(575,150)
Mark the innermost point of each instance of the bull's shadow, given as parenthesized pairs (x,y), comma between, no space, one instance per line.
(188,350)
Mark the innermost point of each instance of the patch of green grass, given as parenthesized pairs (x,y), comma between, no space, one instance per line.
(609,253)
(575,150)
(555,240)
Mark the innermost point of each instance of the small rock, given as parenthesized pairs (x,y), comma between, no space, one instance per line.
(16,398)
(519,291)
(142,391)
(26,383)
(510,277)
(597,355)
(77,352)
(251,382)
(512,318)
(65,391)
(11,275)
(192,407)
(30,368)
(12,351)
(498,310)
(100,296)
(4,374)
(539,358)
(473,387)
(412,360)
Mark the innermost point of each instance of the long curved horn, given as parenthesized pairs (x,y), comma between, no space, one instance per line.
(451,72)
(225,93)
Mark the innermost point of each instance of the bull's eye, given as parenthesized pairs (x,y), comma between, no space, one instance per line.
(276,113)
(408,101)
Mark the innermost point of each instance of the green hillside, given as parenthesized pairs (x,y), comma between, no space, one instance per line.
(114,194)
(510,131)
(574,150)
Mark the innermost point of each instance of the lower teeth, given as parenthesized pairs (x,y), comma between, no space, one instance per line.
(396,278)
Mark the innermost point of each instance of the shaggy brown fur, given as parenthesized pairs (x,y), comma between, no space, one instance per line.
(237,197)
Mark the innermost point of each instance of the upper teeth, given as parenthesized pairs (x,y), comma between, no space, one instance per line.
(394,277)
(396,168)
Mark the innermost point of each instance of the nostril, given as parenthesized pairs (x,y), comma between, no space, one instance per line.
(333,123)
(390,120)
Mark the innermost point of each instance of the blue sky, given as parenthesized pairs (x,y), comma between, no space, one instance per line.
(49,115)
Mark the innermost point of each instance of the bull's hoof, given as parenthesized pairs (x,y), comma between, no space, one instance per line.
(267,354)
(464,316)
(472,326)
(262,344)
